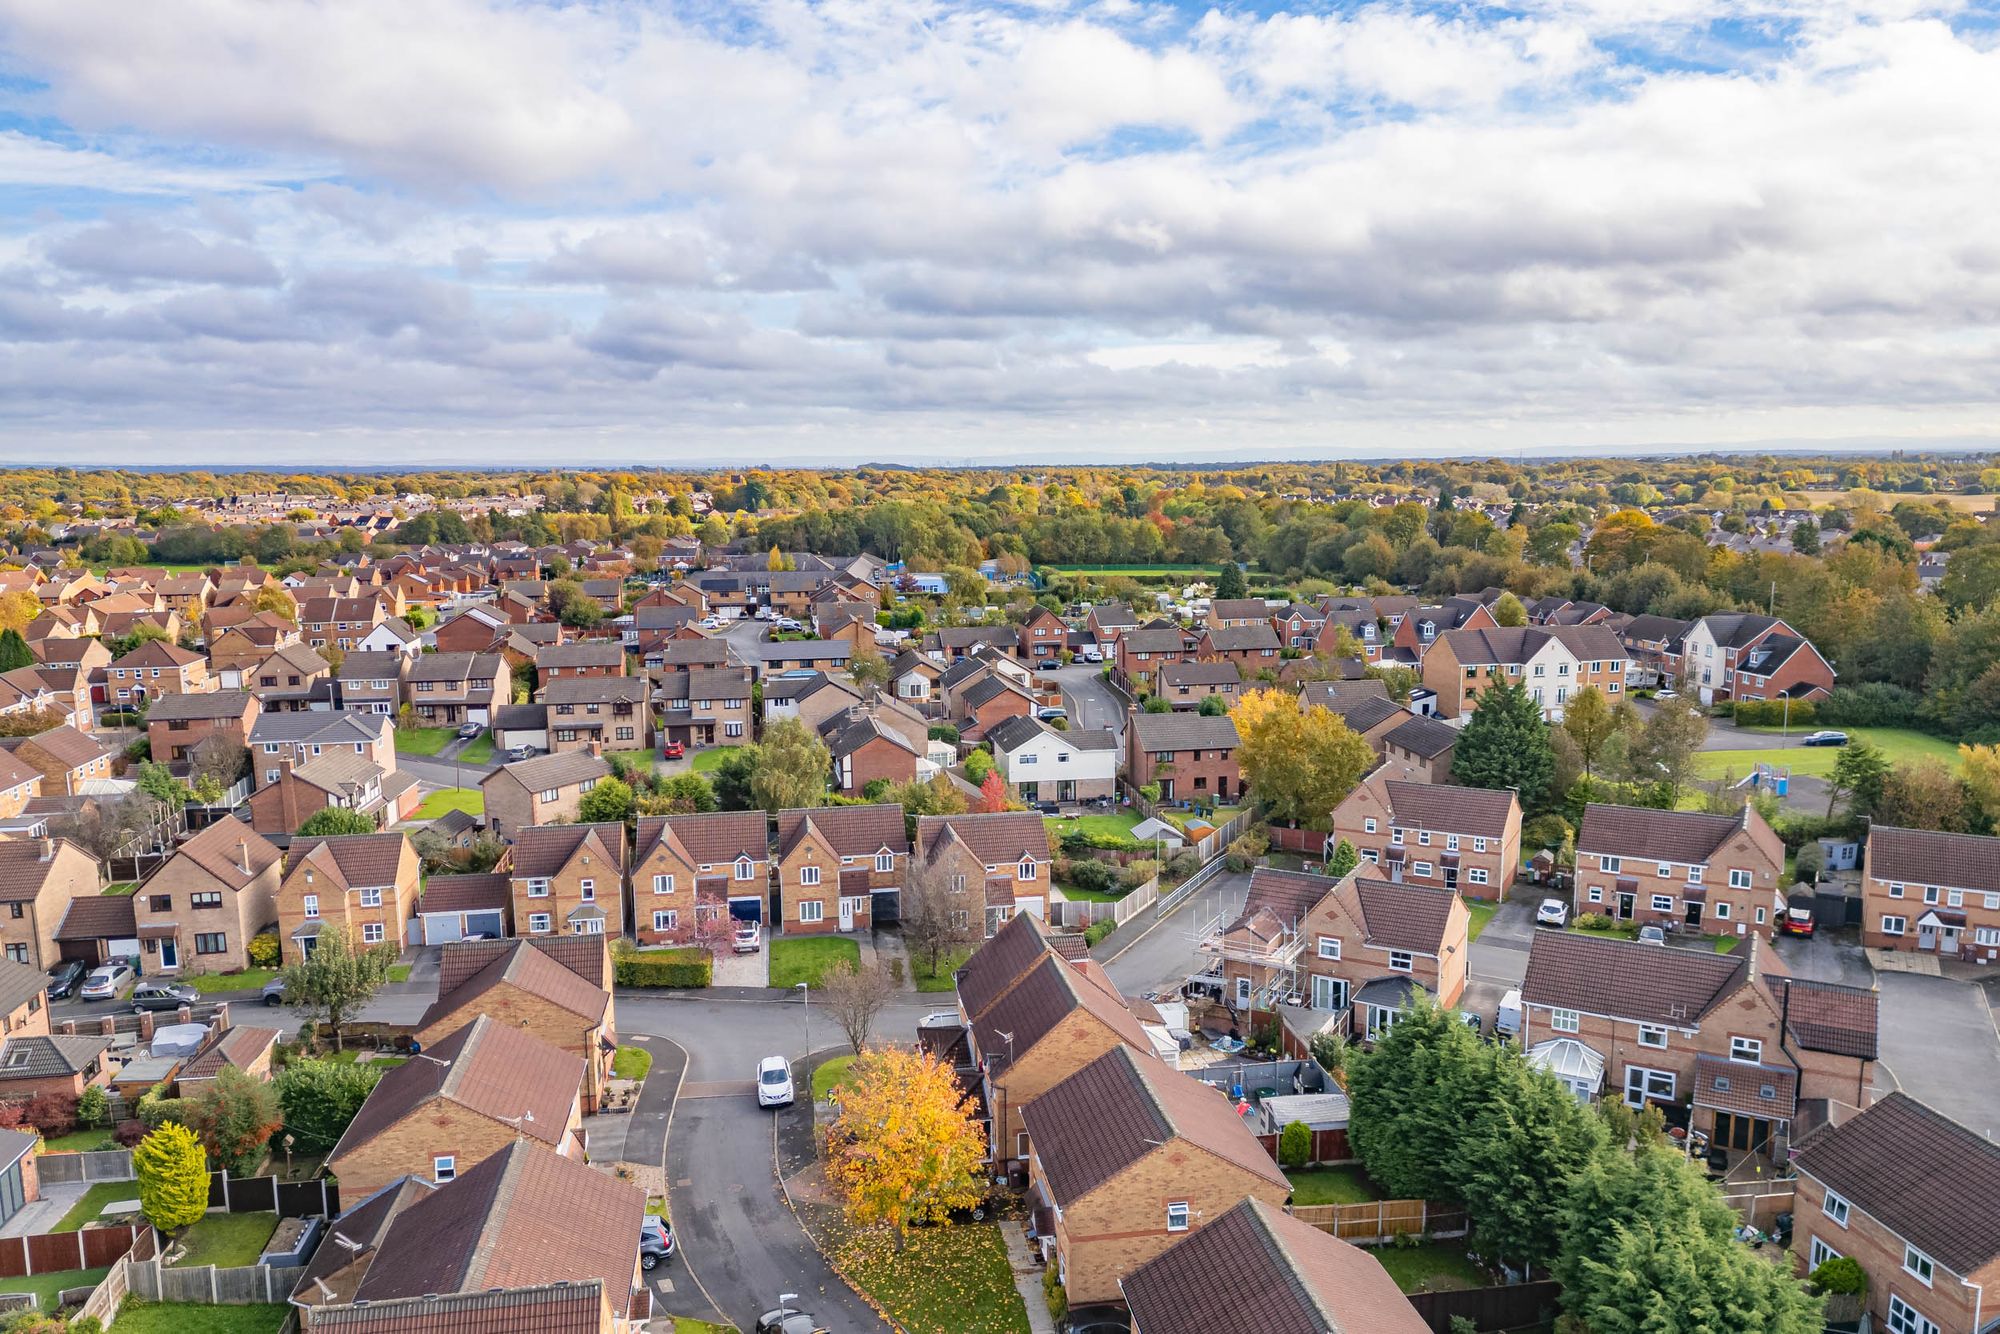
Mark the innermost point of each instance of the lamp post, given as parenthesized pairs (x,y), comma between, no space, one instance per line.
(805,1000)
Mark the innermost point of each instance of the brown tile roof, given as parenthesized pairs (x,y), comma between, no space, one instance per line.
(99,917)
(19,984)
(1828,1017)
(1767,1091)
(1287,895)
(1049,993)
(22,870)
(158,653)
(237,1047)
(1223,672)
(1122,1107)
(357,860)
(712,839)
(1925,1177)
(1926,857)
(1001,838)
(14,772)
(491,1069)
(595,690)
(1647,835)
(1242,638)
(545,772)
(853,831)
(1182,731)
(519,964)
(461,960)
(560,1308)
(543,850)
(465,893)
(582,653)
(1404,917)
(1019,944)
(69,747)
(223,849)
(1257,1267)
(1627,980)
(216,704)
(1479,812)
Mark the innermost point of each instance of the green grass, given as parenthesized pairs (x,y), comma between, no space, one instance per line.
(46,1287)
(423,740)
(689,1325)
(399,972)
(1074,894)
(92,1203)
(227,1241)
(1181,820)
(1436,1266)
(1117,825)
(947,1280)
(142,1317)
(631,1062)
(468,799)
(480,751)
(1482,913)
(707,761)
(807,959)
(250,979)
(1206,571)
(1721,944)
(121,887)
(831,1074)
(942,979)
(79,1141)
(1899,744)
(1331,1185)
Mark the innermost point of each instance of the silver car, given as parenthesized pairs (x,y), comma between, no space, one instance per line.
(106,982)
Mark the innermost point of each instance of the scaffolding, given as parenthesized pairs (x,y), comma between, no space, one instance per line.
(1274,960)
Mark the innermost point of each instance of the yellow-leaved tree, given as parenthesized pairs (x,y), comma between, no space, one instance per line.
(905,1149)
(1979,770)
(1298,765)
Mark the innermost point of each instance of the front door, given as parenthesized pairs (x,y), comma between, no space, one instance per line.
(1693,917)
(1451,877)
(847,914)
(1926,937)
(170,955)
(1625,905)
(1948,940)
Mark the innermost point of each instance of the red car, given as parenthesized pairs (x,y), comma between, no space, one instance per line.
(673,750)
(1796,922)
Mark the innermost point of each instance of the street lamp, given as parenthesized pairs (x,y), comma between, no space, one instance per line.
(805,999)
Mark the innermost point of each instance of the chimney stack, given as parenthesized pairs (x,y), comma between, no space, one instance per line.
(243,854)
(596,749)
(45,849)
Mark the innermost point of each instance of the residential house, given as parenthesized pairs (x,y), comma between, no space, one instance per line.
(600,712)
(1190,755)
(1108,620)
(690,869)
(291,678)
(1552,663)
(341,622)
(338,778)
(1740,655)
(476,1092)
(1683,870)
(454,907)
(985,703)
(1422,746)
(1931,891)
(1298,625)
(392,635)
(246,1049)
(840,867)
(246,644)
(1001,859)
(810,697)
(67,759)
(1464,839)
(157,667)
(197,913)
(865,750)
(177,724)
(1184,685)
(1252,648)
(1044,765)
(557,988)
(1044,638)
(1356,624)
(20,783)
(370,682)
(1225,613)
(569,879)
(304,737)
(38,879)
(588,657)
(446,689)
(24,1002)
(1913,1197)
(820,655)
(1653,648)
(1143,652)
(364,884)
(913,676)
(1417,628)
(539,791)
(1127,1156)
(707,706)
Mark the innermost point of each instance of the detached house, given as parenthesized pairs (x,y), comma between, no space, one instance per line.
(198,912)
(1001,859)
(176,724)
(305,737)
(1141,654)
(446,689)
(1043,764)
(612,712)
(569,880)
(1923,890)
(691,868)
(20,783)
(1044,638)
(840,867)
(1184,685)
(1684,870)
(156,668)
(556,988)
(364,884)
(865,749)
(370,682)
(539,791)
(68,759)
(1253,647)
(39,877)
(1189,755)
(707,706)
(1464,839)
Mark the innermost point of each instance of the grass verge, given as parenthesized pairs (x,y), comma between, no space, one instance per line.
(1482,913)
(250,979)
(631,1062)
(470,800)
(947,1280)
(707,761)
(140,1317)
(806,960)
(480,751)
(830,1074)
(423,740)
(943,979)
(1900,744)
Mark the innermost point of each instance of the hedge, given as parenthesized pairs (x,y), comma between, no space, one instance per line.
(1771,712)
(685,967)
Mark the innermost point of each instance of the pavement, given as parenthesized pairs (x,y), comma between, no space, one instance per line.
(1939,1045)
(1150,952)
(38,1216)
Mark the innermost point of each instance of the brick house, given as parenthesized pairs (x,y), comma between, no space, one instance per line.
(247,643)
(38,879)
(364,884)
(984,704)
(340,622)
(840,868)
(1939,893)
(480,1089)
(539,791)
(24,1000)
(304,737)
(1743,1048)
(1001,858)
(615,712)
(1653,647)
(707,706)
(1184,685)
(1253,648)
(1684,870)
(1142,652)
(1179,1155)
(291,678)
(1552,663)
(689,867)
(1043,764)
(569,880)
(588,657)
(1032,1019)
(248,1049)
(66,758)
(1044,637)
(1740,655)
(370,682)
(1232,612)
(1298,624)
(1190,756)
(446,689)
(1912,1197)
(1422,745)
(20,783)
(866,750)
(1415,629)
(1464,839)
(339,778)
(157,668)
(1353,951)
(556,988)
(475,630)
(176,724)
(198,912)
(1109,620)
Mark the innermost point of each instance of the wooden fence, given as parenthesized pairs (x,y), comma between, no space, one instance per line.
(1308,843)
(1516,1306)
(1383,1220)
(1759,1202)
(236,1195)
(243,1285)
(110,1293)
(1329,1147)
(56,1252)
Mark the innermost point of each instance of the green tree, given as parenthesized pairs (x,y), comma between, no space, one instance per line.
(173,1177)
(1858,775)
(1805,538)
(1591,722)
(14,651)
(1229,581)
(1508,611)
(1523,1139)
(235,1116)
(793,766)
(335,979)
(1922,794)
(684,793)
(978,764)
(1345,858)
(731,778)
(1294,1144)
(1407,1102)
(1213,706)
(1505,745)
(330,821)
(159,784)
(1664,749)
(1972,578)
(318,1098)
(610,802)
(1157,704)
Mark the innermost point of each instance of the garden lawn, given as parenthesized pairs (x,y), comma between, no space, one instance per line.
(947,1280)
(1437,1266)
(92,1203)
(480,751)
(707,761)
(227,1241)
(141,1317)
(1900,744)
(399,972)
(423,740)
(806,960)
(1331,1185)
(1482,913)
(46,1287)
(831,1074)
(1117,825)
(943,979)
(631,1062)
(468,799)
(79,1141)
(689,1325)
(250,979)
(1076,895)
(120,887)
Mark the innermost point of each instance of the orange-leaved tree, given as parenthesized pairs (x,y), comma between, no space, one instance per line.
(905,1149)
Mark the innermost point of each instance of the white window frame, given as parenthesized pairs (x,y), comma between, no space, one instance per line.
(812,910)
(1918,1265)
(885,862)
(538,887)
(587,890)
(1647,1083)
(1901,924)
(1476,875)
(745,868)
(663,884)
(372,933)
(444,1167)
(1750,1051)
(1329,948)
(1565,1021)
(1663,903)
(1402,961)
(665,919)
(1653,1036)
(310,905)
(1835,1206)
(809,875)
(371,897)
(1179,1216)
(1739,878)
(1907,1319)
(539,923)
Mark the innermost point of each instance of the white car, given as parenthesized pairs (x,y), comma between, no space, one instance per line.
(748,938)
(1092,655)
(711,623)
(1666,694)
(774,1082)
(1553,912)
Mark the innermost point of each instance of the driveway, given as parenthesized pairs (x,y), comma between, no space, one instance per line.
(1939,1046)
(1163,954)
(1500,955)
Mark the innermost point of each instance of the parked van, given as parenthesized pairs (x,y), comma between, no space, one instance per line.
(1507,1019)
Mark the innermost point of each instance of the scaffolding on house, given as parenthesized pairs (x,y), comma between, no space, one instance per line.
(1269,946)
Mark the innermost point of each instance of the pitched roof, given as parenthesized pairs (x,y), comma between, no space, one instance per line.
(489,892)
(1257,1267)
(1287,895)
(1481,812)
(1047,994)
(99,917)
(19,984)
(1926,857)
(216,704)
(845,733)
(1124,1106)
(68,747)
(1182,731)
(326,726)
(1242,638)
(1925,1177)
(1000,838)
(562,1307)
(1166,639)
(41,1057)
(1362,714)
(546,772)
(519,964)
(1201,673)
(1627,980)
(500,1072)
(1648,835)
(1013,733)
(852,831)
(1403,916)
(22,870)
(543,850)
(584,653)
(595,690)
(1005,957)
(1342,696)
(585,956)
(1425,737)
(372,665)
(1828,1017)
(358,861)
(236,1047)
(1238,609)
(711,839)
(454,667)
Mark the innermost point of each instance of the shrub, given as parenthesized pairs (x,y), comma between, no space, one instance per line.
(978,764)
(1294,1145)
(1330,1051)
(1139,872)
(1052,1289)
(54,1114)
(1183,863)
(1248,847)
(1592,921)
(944,732)
(1544,831)
(1840,1275)
(13,1115)
(1871,704)
(1098,931)
(688,967)
(263,950)
(317,1099)
(1090,874)
(173,1178)
(93,1106)
(129,1133)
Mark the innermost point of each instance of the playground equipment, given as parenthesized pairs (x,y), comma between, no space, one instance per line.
(1764,775)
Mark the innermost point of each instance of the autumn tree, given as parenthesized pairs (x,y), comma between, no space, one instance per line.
(1924,794)
(993,793)
(868,668)
(19,609)
(610,802)
(1591,721)
(854,993)
(173,1177)
(1298,765)
(1979,767)
(906,1148)
(939,919)
(276,599)
(236,1115)
(792,767)
(1508,611)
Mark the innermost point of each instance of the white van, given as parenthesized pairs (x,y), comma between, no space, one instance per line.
(1507,1019)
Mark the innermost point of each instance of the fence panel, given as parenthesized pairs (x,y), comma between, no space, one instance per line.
(1140,899)
(252,1195)
(1382,1220)
(304,1199)
(1516,1306)
(110,1294)
(102,1165)
(245,1285)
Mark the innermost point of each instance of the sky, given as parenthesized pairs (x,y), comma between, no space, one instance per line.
(401,232)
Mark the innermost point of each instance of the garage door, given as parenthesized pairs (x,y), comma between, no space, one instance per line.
(442,927)
(488,922)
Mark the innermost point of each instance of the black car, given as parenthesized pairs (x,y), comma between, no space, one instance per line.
(785,1320)
(64,977)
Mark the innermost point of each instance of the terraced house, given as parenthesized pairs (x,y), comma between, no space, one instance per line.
(1682,870)
(363,884)
(840,868)
(1929,891)
(687,869)
(569,880)
(1551,663)
(1464,839)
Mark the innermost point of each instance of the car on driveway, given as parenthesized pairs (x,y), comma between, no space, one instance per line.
(1666,694)
(656,1242)
(163,996)
(64,977)
(1796,921)
(774,1082)
(788,1319)
(673,750)
(106,982)
(1652,935)
(469,731)
(1552,912)
(1825,738)
(521,753)
(748,938)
